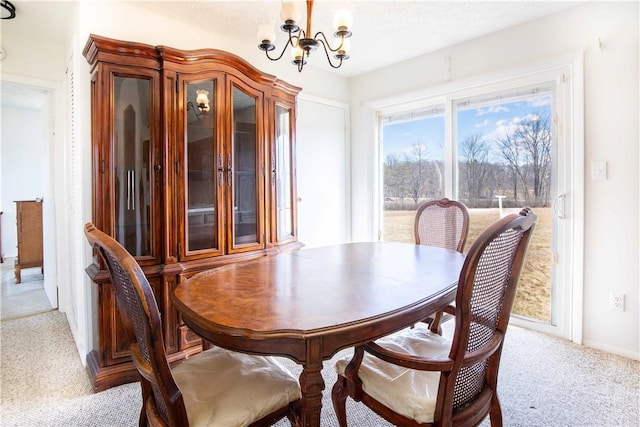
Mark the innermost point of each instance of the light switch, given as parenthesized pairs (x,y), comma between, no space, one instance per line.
(598,171)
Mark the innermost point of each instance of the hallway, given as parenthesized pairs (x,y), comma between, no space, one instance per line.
(24,299)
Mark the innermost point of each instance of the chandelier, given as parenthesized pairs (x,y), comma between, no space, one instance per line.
(301,41)
(8,9)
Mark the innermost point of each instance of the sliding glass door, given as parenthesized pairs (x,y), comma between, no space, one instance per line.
(496,148)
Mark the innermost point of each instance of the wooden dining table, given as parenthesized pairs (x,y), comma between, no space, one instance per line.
(309,304)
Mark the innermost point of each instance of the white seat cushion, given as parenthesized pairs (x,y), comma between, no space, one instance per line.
(406,391)
(224,388)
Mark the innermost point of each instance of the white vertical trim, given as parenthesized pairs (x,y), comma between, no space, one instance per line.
(577,275)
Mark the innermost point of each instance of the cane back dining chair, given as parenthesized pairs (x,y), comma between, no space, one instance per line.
(443,223)
(213,388)
(418,378)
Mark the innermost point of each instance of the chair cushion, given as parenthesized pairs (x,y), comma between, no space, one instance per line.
(224,388)
(405,391)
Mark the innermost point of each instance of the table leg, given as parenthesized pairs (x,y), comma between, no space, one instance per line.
(311,386)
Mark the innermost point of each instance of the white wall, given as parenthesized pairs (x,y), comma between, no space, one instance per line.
(24,163)
(611,133)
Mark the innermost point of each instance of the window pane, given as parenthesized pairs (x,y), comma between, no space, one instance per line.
(504,158)
(504,149)
(413,167)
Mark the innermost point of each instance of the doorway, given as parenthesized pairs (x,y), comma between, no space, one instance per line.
(26,173)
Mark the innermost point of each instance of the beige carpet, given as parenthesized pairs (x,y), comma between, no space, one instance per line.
(544,381)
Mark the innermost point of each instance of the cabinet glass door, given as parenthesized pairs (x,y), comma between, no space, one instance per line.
(132,164)
(243,170)
(282,175)
(203,166)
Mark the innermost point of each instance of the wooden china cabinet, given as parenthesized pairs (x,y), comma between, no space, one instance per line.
(193,168)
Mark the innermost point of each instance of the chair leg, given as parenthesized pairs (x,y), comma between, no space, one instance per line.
(435,323)
(294,414)
(495,413)
(145,391)
(142,421)
(339,398)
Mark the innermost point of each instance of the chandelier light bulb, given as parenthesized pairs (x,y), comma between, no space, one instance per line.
(297,53)
(266,33)
(342,20)
(290,11)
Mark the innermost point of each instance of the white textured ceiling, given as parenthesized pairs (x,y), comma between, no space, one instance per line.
(384,32)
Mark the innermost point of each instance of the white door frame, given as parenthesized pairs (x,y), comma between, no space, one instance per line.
(51,191)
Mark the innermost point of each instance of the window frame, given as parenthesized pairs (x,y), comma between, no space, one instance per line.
(567,76)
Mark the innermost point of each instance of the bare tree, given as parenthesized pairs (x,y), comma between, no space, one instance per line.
(474,154)
(534,134)
(418,162)
(511,153)
(392,177)
(527,150)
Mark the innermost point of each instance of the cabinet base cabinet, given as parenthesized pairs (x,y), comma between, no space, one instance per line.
(105,377)
(111,365)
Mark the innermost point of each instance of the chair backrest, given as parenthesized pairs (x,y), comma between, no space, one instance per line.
(162,400)
(443,223)
(486,290)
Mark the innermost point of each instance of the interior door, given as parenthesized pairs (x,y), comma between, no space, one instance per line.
(323,183)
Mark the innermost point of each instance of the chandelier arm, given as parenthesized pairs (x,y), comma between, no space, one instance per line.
(284,49)
(326,52)
(326,42)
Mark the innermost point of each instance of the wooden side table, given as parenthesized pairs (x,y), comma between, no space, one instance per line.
(1,254)
(29,217)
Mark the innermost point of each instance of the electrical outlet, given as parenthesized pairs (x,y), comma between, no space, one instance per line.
(617,302)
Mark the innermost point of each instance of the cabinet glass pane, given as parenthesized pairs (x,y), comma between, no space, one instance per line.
(283,173)
(132,164)
(202,161)
(244,151)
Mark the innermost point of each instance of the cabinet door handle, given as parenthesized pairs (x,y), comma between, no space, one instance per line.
(220,170)
(128,190)
(273,169)
(131,190)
